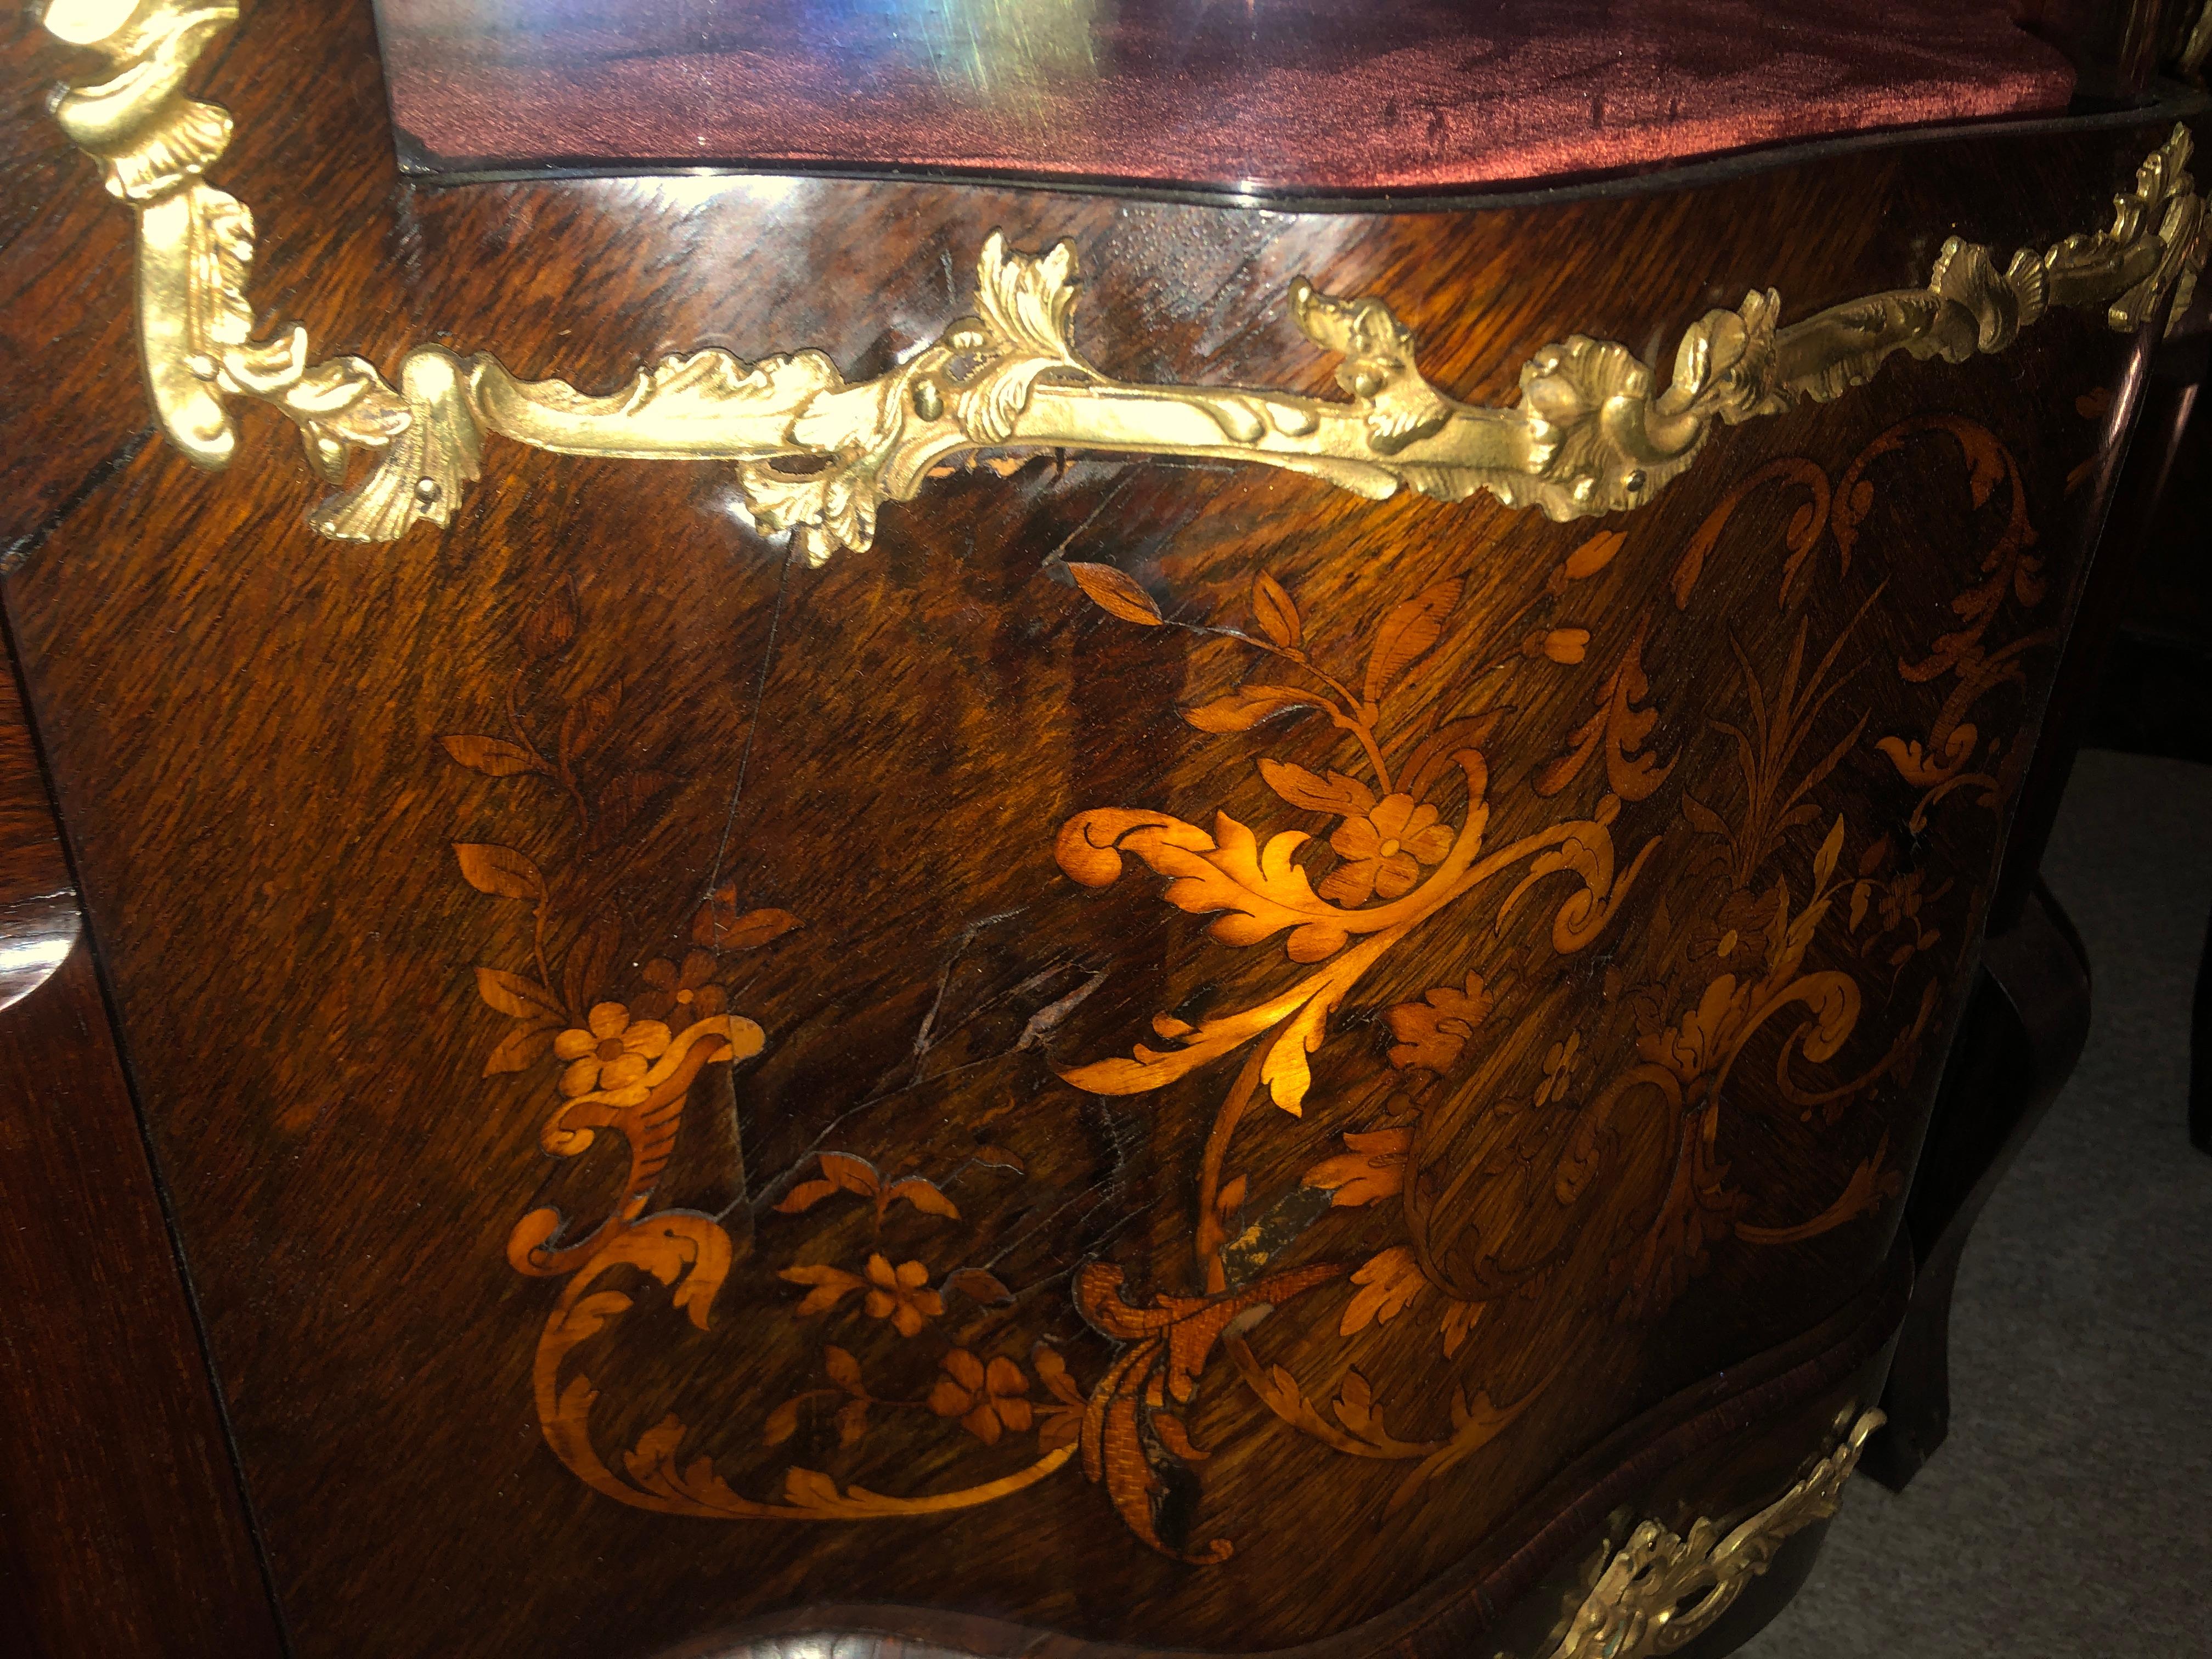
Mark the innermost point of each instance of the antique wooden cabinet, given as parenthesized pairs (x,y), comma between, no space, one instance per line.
(1045,946)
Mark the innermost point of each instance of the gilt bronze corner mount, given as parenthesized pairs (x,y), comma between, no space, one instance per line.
(1594,430)
(1660,1589)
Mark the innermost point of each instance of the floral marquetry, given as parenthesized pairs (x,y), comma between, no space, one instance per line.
(1530,1129)
(1212,1038)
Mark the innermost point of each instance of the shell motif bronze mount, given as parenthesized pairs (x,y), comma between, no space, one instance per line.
(1594,430)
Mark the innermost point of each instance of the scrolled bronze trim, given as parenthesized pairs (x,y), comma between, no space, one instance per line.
(1660,1589)
(1594,431)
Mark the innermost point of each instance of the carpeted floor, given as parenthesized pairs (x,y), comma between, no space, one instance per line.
(2070,1511)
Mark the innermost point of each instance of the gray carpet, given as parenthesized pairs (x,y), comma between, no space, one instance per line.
(2070,1511)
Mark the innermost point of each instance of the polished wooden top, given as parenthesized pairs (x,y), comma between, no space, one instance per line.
(1272,94)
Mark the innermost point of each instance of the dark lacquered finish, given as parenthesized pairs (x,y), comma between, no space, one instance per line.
(600,723)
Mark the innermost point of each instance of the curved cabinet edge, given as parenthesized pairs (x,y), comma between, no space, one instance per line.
(1727,1450)
(2026,1023)
(123,1532)
(39,918)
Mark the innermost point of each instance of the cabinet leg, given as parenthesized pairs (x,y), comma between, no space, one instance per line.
(2200,1053)
(2024,1027)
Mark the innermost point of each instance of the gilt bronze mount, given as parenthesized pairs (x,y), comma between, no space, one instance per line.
(1660,1589)
(1594,430)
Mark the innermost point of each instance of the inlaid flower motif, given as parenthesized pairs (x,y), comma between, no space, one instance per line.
(611,1054)
(902,1294)
(1736,935)
(988,1400)
(1559,1070)
(1383,849)
(1901,900)
(681,996)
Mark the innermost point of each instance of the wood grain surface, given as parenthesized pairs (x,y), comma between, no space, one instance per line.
(642,1038)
